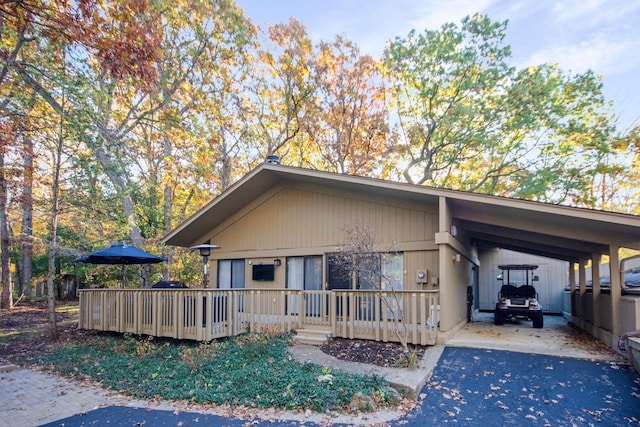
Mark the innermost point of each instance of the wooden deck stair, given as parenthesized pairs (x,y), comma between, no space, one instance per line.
(312,336)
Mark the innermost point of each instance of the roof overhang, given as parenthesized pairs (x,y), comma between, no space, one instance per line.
(532,227)
(267,176)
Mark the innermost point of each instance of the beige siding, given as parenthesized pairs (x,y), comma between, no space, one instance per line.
(420,260)
(298,218)
(278,275)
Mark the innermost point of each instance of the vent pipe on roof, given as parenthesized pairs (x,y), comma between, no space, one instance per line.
(273,160)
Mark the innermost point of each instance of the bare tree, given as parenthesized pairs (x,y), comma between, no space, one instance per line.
(361,260)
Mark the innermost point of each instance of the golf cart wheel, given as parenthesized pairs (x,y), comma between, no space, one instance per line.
(538,322)
(498,319)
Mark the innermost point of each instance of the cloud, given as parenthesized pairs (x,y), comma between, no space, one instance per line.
(603,56)
(593,13)
(431,15)
(601,35)
(590,34)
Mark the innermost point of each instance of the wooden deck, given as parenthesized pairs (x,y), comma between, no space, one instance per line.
(207,314)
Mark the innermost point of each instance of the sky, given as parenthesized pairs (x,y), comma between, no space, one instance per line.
(579,35)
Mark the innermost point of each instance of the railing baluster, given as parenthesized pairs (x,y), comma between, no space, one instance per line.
(207,314)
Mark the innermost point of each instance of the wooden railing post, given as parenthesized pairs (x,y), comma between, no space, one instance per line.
(207,314)
(377,305)
(81,310)
(233,312)
(353,312)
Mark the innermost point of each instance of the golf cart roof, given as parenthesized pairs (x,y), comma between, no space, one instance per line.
(518,267)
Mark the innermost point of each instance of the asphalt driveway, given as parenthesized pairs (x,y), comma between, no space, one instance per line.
(471,387)
(487,375)
(478,387)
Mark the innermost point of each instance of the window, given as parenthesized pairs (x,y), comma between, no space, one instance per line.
(384,271)
(305,273)
(392,272)
(375,271)
(337,277)
(231,274)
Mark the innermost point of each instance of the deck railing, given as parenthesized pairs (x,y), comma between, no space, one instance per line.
(206,314)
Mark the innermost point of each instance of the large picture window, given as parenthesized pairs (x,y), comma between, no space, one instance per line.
(383,271)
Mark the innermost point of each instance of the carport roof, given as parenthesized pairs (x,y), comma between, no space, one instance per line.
(555,231)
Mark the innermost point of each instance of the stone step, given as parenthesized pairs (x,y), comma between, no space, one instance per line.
(7,368)
(312,337)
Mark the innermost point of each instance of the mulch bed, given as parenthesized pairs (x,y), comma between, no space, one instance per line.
(385,354)
(29,315)
(34,316)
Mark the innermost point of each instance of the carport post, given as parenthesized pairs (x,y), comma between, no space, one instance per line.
(616,293)
(595,288)
(572,287)
(582,271)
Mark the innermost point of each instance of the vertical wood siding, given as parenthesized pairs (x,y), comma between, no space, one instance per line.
(296,217)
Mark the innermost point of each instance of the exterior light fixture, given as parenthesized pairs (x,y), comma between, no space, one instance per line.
(204,250)
(277,262)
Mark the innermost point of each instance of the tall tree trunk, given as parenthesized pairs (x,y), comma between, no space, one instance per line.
(53,235)
(51,292)
(5,276)
(27,217)
(119,182)
(168,203)
(53,246)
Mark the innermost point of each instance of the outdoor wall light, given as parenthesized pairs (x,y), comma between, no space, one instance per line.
(277,262)
(204,250)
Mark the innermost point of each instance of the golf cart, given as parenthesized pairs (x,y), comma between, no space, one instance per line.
(518,299)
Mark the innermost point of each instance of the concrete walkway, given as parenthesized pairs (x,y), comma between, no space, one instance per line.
(557,338)
(31,398)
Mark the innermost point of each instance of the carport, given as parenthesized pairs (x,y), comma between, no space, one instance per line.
(577,236)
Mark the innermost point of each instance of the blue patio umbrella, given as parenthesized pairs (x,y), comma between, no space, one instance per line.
(120,255)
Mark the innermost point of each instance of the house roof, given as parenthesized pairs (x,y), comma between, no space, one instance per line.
(533,227)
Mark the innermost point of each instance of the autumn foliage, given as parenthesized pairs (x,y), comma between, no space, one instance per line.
(153,107)
(123,36)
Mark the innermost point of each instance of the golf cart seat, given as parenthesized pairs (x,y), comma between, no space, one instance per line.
(526,291)
(507,291)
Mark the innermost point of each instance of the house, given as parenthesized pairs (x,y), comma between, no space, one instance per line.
(279,229)
(278,226)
